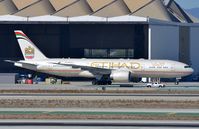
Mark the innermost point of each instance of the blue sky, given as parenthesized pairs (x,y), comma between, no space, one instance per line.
(187,4)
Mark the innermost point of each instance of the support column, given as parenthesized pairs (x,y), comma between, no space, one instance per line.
(149,43)
(149,47)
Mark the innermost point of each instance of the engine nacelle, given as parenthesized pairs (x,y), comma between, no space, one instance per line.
(120,76)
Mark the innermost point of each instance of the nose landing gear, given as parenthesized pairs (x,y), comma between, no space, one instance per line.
(177,81)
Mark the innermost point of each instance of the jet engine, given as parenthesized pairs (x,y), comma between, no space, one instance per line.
(120,76)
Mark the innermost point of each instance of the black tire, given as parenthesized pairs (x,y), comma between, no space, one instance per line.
(177,83)
(109,82)
(94,82)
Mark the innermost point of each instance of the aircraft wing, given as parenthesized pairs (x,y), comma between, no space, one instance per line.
(93,70)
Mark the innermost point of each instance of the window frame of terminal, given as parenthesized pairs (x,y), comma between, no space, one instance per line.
(108,53)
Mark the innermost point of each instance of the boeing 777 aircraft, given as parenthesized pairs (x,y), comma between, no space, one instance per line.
(103,70)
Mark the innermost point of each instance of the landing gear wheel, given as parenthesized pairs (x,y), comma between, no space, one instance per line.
(94,82)
(177,82)
(109,83)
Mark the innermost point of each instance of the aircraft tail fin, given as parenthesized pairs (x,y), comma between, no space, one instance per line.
(28,49)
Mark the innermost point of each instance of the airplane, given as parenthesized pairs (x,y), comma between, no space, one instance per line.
(103,71)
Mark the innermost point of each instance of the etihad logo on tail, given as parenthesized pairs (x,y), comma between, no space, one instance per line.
(29,52)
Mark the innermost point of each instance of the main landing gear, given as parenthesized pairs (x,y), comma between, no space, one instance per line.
(103,80)
(99,82)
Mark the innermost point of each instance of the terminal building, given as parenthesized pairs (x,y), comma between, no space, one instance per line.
(133,29)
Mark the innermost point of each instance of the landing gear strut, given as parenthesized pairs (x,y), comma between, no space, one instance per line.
(103,80)
(177,81)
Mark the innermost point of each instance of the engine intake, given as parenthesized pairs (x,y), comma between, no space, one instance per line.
(120,76)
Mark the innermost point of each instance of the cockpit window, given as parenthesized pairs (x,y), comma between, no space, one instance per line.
(187,66)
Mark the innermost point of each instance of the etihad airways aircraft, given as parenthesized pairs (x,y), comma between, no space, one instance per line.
(103,70)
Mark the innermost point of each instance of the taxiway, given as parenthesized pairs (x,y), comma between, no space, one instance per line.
(96,124)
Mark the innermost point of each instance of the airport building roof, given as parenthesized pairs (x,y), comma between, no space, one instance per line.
(93,10)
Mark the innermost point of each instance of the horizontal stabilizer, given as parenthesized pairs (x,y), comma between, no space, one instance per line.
(23,64)
(10,61)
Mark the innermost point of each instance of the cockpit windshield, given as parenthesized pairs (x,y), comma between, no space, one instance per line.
(187,66)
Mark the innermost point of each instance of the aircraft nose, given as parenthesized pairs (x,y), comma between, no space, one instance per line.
(191,70)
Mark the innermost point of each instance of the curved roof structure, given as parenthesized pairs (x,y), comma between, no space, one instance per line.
(167,10)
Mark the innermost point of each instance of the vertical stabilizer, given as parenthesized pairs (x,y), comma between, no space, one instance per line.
(28,49)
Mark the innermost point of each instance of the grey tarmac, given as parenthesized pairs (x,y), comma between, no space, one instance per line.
(155,110)
(89,86)
(96,124)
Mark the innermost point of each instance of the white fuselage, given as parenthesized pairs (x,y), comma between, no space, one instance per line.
(137,68)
